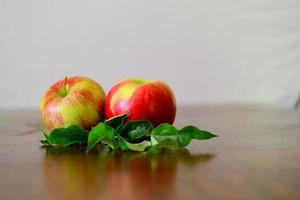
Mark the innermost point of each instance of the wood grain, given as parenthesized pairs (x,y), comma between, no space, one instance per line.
(256,156)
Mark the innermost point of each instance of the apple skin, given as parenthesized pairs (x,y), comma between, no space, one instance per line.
(73,101)
(142,99)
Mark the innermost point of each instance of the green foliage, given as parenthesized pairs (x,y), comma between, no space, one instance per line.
(116,133)
(135,130)
(66,136)
(190,132)
(117,122)
(101,132)
(141,146)
(167,132)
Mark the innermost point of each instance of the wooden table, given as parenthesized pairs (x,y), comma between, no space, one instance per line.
(256,156)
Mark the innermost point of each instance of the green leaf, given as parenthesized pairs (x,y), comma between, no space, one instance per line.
(123,146)
(66,136)
(117,122)
(167,132)
(136,129)
(188,133)
(101,132)
(112,143)
(46,135)
(163,132)
(142,146)
(44,142)
(138,134)
(184,139)
(168,144)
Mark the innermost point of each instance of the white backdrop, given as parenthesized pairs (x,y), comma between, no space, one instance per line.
(208,51)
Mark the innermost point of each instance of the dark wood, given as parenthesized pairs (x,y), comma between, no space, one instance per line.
(256,156)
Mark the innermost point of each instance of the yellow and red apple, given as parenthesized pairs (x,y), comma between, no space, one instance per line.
(142,99)
(73,101)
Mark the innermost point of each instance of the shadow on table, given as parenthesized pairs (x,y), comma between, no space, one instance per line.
(71,174)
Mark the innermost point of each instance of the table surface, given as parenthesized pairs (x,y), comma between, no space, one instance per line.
(256,156)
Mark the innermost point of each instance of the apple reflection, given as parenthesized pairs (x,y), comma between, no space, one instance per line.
(71,174)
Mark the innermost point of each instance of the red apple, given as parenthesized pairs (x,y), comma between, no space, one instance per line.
(73,101)
(142,99)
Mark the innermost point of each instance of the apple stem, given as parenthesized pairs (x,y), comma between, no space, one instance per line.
(65,85)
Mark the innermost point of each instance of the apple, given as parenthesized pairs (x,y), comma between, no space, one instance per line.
(73,101)
(142,99)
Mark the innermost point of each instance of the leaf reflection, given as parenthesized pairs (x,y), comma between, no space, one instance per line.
(69,173)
